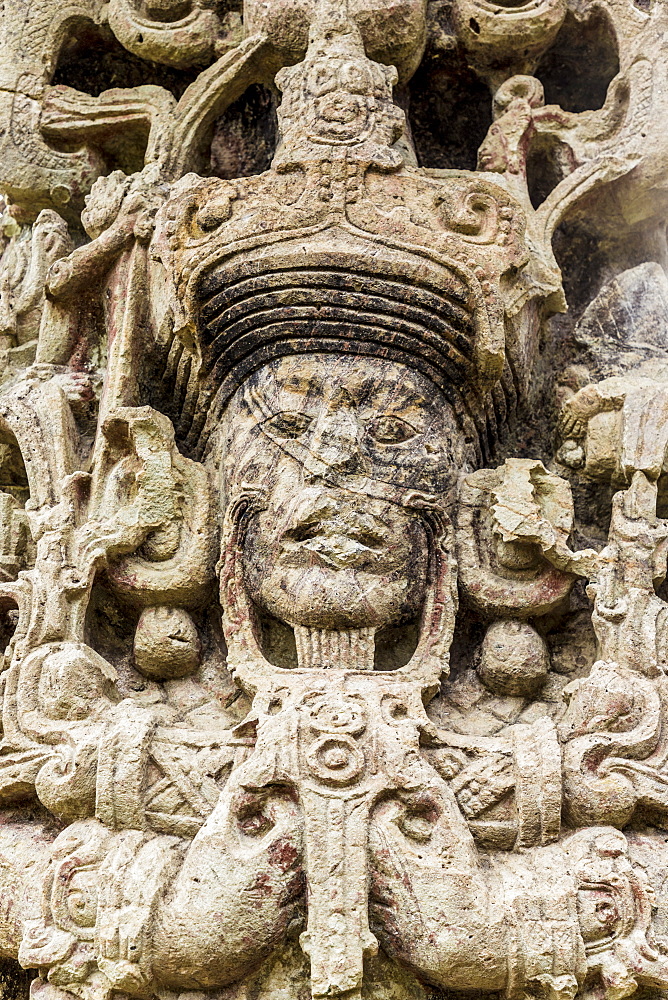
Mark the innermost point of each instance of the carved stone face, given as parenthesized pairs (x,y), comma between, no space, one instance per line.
(339,446)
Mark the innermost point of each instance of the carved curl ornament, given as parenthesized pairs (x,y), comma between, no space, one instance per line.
(335,652)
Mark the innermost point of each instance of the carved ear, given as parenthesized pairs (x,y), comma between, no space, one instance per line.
(16,548)
(245,659)
(285,76)
(40,418)
(431,658)
(504,518)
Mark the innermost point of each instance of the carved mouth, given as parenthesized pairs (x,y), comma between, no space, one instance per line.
(334,544)
(340,109)
(329,529)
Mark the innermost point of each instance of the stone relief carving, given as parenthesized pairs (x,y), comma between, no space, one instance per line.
(332,496)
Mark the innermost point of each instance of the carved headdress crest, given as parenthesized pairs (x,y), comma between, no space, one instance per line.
(324,252)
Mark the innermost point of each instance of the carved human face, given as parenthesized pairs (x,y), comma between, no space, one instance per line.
(337,448)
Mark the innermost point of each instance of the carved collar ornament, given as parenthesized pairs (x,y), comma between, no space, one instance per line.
(332,554)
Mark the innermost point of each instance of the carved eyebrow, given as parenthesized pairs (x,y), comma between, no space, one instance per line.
(411,399)
(297,382)
(375,391)
(397,398)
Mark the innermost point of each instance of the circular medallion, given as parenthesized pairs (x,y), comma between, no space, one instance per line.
(335,760)
(336,714)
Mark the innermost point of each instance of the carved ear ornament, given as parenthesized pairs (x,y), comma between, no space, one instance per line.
(192,38)
(505,33)
(502,570)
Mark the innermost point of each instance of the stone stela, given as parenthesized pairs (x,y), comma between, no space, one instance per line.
(333,474)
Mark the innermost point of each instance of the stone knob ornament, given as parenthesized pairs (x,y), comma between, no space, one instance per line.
(394,32)
(505,38)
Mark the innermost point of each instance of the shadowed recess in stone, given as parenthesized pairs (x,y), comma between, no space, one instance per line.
(584,59)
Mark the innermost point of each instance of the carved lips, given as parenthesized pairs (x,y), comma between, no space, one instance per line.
(337,537)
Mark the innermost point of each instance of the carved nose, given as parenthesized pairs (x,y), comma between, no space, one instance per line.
(335,445)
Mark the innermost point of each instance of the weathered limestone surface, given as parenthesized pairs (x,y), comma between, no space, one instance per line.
(333,484)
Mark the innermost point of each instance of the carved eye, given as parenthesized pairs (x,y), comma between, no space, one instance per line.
(391,430)
(354,78)
(322,79)
(289,424)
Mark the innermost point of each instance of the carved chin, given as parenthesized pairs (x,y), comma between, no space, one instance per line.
(329,598)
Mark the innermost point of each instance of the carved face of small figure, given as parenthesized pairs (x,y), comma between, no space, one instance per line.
(337,447)
(339,112)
